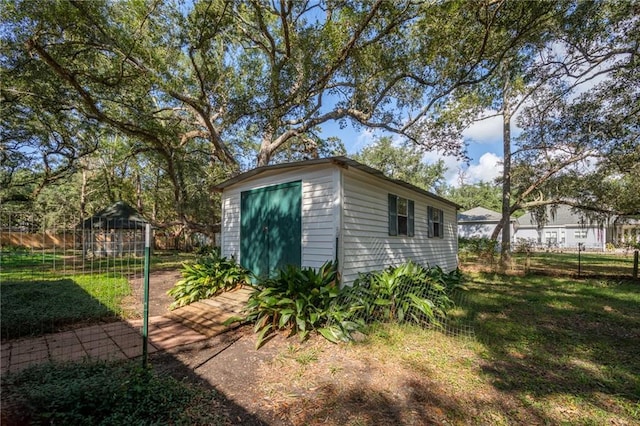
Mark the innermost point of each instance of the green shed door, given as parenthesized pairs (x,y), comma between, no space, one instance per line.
(271,228)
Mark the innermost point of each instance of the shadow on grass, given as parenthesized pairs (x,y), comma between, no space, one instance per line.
(423,404)
(369,406)
(552,336)
(117,392)
(36,307)
(76,385)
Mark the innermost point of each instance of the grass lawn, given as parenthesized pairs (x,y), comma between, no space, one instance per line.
(106,394)
(36,306)
(519,349)
(566,350)
(561,264)
(43,292)
(591,264)
(543,350)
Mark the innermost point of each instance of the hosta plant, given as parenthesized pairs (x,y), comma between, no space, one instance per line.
(209,276)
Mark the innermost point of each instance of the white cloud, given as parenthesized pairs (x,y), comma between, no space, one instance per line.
(485,131)
(452,164)
(489,130)
(364,138)
(488,168)
(368,136)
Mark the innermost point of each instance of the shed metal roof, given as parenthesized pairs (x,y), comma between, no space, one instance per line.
(339,161)
(117,216)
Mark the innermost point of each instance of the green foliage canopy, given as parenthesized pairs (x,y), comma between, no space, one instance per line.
(404,162)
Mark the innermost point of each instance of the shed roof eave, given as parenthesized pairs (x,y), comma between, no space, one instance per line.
(341,161)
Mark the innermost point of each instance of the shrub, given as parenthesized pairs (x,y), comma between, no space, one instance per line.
(525,245)
(207,277)
(207,250)
(477,246)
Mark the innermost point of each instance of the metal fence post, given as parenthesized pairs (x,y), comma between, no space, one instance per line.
(145,318)
(579,259)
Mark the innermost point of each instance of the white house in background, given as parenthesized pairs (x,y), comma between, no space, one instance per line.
(627,230)
(479,222)
(309,212)
(564,229)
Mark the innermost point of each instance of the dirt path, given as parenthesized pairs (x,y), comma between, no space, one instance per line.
(288,383)
(231,364)
(159,283)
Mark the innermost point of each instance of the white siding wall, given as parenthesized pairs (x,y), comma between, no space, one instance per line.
(526,234)
(319,186)
(595,240)
(481,230)
(366,243)
(477,230)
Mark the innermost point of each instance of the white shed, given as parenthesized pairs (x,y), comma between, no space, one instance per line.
(309,212)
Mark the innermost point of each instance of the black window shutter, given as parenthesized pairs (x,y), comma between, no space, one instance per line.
(410,218)
(441,224)
(430,222)
(393,215)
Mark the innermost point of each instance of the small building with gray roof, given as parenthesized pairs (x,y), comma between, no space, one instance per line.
(306,213)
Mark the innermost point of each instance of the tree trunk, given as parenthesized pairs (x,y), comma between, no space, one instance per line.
(264,156)
(138,192)
(505,250)
(83,195)
(496,230)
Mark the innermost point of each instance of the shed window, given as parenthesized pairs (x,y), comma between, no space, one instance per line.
(435,218)
(401,216)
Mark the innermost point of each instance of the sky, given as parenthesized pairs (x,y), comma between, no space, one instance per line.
(484,147)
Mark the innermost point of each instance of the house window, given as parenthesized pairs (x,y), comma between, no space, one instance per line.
(551,237)
(401,216)
(580,235)
(435,218)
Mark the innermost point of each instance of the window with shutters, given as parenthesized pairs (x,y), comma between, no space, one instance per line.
(435,218)
(401,216)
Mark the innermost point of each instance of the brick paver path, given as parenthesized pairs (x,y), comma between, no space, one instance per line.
(121,340)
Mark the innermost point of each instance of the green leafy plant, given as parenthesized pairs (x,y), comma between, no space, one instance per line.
(524,245)
(406,293)
(305,300)
(207,277)
(478,246)
(297,300)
